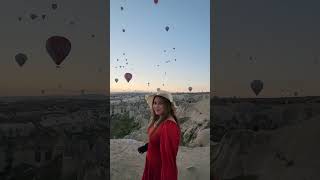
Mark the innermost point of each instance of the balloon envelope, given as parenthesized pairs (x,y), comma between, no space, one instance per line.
(33,16)
(116,80)
(155,1)
(54,6)
(128,76)
(167,28)
(256,86)
(21,59)
(190,89)
(58,48)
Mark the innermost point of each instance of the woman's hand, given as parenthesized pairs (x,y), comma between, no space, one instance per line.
(143,148)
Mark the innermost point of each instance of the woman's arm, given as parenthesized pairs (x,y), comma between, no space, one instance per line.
(169,144)
(143,148)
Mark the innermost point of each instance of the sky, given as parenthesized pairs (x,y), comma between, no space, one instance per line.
(87,65)
(283,36)
(146,44)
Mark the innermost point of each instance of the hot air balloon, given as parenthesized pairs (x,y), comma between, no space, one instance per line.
(33,16)
(116,79)
(121,8)
(21,59)
(256,86)
(158,89)
(148,83)
(58,48)
(54,6)
(128,76)
(19,18)
(155,1)
(167,28)
(123,30)
(43,16)
(190,89)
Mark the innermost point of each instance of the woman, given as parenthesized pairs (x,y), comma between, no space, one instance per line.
(164,139)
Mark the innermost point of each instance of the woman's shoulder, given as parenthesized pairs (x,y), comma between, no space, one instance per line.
(170,126)
(169,122)
(170,119)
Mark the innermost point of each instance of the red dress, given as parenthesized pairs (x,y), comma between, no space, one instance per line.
(162,152)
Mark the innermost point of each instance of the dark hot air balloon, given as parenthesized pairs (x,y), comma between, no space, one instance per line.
(116,79)
(58,48)
(155,1)
(128,76)
(167,28)
(190,89)
(54,6)
(33,16)
(21,59)
(256,86)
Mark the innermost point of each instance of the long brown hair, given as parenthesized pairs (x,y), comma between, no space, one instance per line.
(168,110)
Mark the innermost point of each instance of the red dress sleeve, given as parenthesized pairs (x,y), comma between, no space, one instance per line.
(169,144)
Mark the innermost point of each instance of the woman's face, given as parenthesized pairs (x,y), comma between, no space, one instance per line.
(158,106)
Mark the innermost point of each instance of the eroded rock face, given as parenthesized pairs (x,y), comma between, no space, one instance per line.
(245,115)
(284,154)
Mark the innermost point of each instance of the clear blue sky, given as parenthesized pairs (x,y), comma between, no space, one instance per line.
(145,40)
